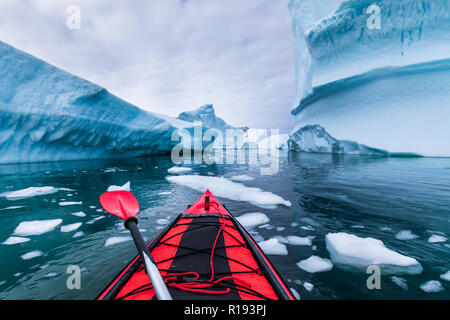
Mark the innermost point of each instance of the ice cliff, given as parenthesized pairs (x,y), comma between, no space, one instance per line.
(377,72)
(48,114)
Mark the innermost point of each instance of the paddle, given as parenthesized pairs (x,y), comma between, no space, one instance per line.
(124,205)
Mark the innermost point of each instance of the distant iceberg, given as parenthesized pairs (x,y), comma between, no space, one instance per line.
(47,114)
(385,87)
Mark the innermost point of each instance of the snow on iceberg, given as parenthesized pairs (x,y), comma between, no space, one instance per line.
(253,219)
(222,187)
(354,253)
(206,114)
(48,114)
(386,87)
(36,227)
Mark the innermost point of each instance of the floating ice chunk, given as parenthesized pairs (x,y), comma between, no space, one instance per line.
(308,286)
(279,229)
(115,240)
(400,282)
(125,187)
(78,234)
(29,192)
(385,229)
(50,275)
(308,228)
(12,208)
(165,193)
(179,170)
(299,241)
(273,246)
(69,203)
(36,227)
(2,282)
(281,239)
(253,219)
(99,210)
(406,235)
(15,240)
(71,227)
(222,187)
(436,238)
(242,178)
(295,293)
(355,253)
(266,226)
(310,222)
(31,255)
(357,226)
(315,264)
(432,286)
(79,214)
(92,221)
(162,221)
(294,224)
(446,276)
(92,207)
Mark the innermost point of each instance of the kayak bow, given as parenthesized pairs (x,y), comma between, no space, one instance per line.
(203,254)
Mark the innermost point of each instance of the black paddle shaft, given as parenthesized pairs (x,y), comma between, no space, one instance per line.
(131,224)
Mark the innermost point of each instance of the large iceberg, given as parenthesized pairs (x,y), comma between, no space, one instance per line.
(375,72)
(48,114)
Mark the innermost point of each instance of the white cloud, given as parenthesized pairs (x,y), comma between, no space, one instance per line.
(169,56)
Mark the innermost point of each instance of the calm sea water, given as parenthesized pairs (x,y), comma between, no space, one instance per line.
(353,194)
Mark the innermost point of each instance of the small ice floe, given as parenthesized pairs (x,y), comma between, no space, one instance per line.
(308,228)
(308,286)
(179,170)
(273,247)
(211,174)
(436,238)
(36,227)
(12,208)
(406,235)
(69,203)
(266,226)
(222,187)
(92,221)
(385,229)
(15,240)
(31,255)
(31,192)
(299,241)
(162,221)
(432,286)
(294,224)
(99,210)
(354,253)
(18,274)
(310,222)
(242,178)
(295,293)
(357,226)
(71,227)
(253,219)
(50,275)
(279,229)
(315,264)
(78,234)
(165,193)
(400,282)
(92,207)
(80,214)
(115,240)
(445,276)
(125,187)
(2,282)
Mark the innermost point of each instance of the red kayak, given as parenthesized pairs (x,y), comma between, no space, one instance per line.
(203,254)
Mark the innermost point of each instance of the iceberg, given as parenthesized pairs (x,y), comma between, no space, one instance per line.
(382,84)
(356,254)
(205,114)
(48,114)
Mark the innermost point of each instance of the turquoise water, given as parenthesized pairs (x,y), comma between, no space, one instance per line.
(353,194)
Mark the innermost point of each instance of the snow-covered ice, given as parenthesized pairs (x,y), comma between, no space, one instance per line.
(315,264)
(15,240)
(253,219)
(222,187)
(406,235)
(273,247)
(178,170)
(436,238)
(432,286)
(36,227)
(31,255)
(80,214)
(115,240)
(125,187)
(354,253)
(71,227)
(242,178)
(70,203)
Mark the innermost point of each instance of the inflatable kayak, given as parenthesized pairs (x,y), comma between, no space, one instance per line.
(203,254)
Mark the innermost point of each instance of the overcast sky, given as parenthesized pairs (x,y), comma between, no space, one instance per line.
(168,56)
